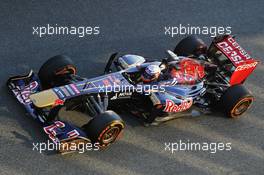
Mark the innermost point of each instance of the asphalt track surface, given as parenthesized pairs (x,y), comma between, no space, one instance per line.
(128,27)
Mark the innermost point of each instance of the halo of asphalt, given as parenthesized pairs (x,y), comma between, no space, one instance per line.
(128,27)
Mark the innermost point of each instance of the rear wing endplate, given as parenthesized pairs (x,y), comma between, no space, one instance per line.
(242,61)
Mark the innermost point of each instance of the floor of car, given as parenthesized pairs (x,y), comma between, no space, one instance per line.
(74,117)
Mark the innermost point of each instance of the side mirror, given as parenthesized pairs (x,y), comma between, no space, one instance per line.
(109,63)
(172,56)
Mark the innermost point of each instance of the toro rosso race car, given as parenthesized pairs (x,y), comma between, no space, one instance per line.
(73,109)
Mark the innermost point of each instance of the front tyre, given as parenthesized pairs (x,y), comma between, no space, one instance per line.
(53,72)
(236,100)
(104,128)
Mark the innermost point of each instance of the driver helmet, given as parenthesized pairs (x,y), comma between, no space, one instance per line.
(151,73)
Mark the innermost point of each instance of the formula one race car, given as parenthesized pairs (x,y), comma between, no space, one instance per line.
(73,109)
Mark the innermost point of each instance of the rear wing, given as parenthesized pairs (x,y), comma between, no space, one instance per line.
(243,62)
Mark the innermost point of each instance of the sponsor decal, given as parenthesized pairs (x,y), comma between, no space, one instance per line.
(233,51)
(85,85)
(114,97)
(58,102)
(246,66)
(70,90)
(23,95)
(121,95)
(172,107)
(74,88)
(115,79)
(73,134)
(125,94)
(59,92)
(65,91)
(51,130)
(106,82)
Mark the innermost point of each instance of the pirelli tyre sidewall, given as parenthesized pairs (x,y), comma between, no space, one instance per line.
(191,45)
(54,68)
(236,101)
(105,128)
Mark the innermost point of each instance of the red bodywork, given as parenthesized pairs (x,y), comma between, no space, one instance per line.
(189,71)
(239,57)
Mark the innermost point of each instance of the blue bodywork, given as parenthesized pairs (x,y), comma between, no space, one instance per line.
(23,86)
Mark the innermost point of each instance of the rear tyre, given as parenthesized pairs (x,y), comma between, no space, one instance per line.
(236,100)
(54,70)
(191,45)
(104,128)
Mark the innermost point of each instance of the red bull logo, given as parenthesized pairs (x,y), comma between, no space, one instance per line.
(172,107)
